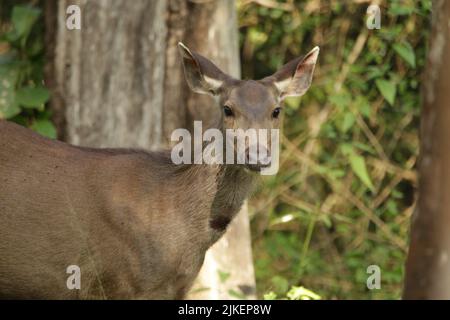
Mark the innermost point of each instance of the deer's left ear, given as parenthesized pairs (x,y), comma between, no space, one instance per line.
(294,78)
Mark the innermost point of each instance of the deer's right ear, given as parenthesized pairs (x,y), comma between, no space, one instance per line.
(201,74)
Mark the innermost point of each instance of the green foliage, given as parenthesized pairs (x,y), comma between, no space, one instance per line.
(223,276)
(358,165)
(345,189)
(295,293)
(32,97)
(406,51)
(387,89)
(22,93)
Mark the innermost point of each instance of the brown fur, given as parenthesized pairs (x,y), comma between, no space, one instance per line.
(114,212)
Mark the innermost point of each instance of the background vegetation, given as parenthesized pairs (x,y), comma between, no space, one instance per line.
(22,92)
(345,191)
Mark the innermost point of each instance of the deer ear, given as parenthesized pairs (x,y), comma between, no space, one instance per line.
(295,77)
(201,74)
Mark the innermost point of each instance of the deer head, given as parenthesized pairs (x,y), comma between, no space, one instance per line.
(249,104)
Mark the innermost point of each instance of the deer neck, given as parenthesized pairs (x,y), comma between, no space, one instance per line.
(234,184)
(224,186)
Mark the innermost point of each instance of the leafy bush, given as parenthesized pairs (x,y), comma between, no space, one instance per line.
(345,189)
(22,92)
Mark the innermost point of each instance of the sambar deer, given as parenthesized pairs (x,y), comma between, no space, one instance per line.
(136,224)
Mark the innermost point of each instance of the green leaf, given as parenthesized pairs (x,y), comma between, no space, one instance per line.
(388,89)
(373,72)
(45,128)
(23,18)
(256,36)
(223,276)
(364,147)
(358,165)
(346,149)
(280,284)
(340,100)
(327,221)
(347,121)
(406,52)
(9,111)
(270,296)
(30,97)
(398,9)
(8,103)
(301,293)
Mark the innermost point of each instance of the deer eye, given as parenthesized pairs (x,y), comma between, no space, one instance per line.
(227,111)
(276,113)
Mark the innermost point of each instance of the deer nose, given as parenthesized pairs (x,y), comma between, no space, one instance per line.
(258,156)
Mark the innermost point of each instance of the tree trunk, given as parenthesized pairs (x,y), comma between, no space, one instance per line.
(428,264)
(118,82)
(111,72)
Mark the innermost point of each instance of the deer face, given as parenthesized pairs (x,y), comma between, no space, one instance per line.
(249,104)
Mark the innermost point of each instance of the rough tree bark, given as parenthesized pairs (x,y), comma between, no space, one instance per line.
(111,72)
(428,263)
(118,82)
